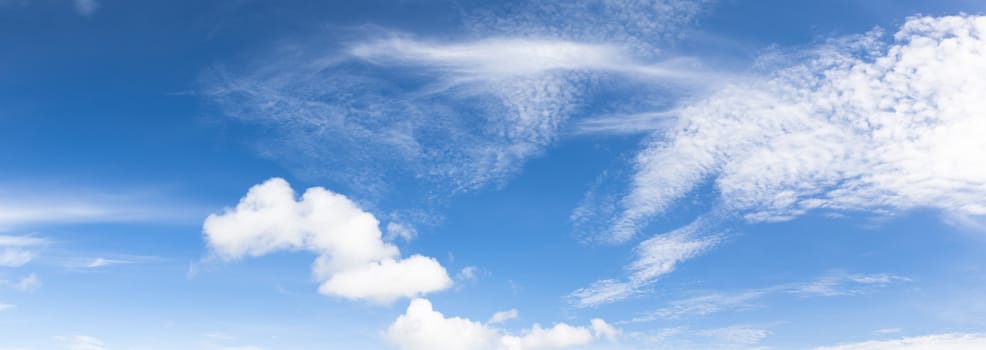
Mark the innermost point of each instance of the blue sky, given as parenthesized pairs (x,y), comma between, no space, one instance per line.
(601,174)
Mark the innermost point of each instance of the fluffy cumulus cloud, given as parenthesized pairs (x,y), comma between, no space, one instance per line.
(423,328)
(353,260)
(952,341)
(862,125)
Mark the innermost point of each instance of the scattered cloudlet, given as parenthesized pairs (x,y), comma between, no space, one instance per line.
(26,284)
(422,328)
(829,285)
(353,260)
(50,205)
(397,230)
(656,257)
(86,7)
(5,307)
(103,262)
(951,341)
(503,316)
(739,335)
(15,257)
(81,342)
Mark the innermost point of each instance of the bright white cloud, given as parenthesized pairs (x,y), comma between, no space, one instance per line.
(82,342)
(423,328)
(951,341)
(656,257)
(353,260)
(862,126)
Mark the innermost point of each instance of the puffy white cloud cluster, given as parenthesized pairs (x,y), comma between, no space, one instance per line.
(353,260)
(423,328)
(862,126)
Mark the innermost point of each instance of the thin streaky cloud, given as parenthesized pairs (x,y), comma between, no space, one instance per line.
(951,341)
(833,284)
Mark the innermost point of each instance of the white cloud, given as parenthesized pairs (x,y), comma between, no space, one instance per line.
(829,285)
(15,257)
(706,305)
(492,60)
(33,204)
(468,273)
(861,126)
(642,26)
(635,123)
(422,328)
(21,241)
(951,341)
(656,257)
(738,335)
(468,111)
(503,316)
(402,231)
(5,307)
(86,7)
(389,279)
(28,283)
(81,342)
(103,262)
(838,284)
(353,260)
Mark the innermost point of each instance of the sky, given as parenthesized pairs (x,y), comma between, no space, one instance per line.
(513,175)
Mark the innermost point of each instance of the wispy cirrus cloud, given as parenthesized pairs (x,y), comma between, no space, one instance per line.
(43,204)
(832,284)
(81,342)
(454,113)
(858,124)
(27,283)
(655,257)
(956,341)
(16,251)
